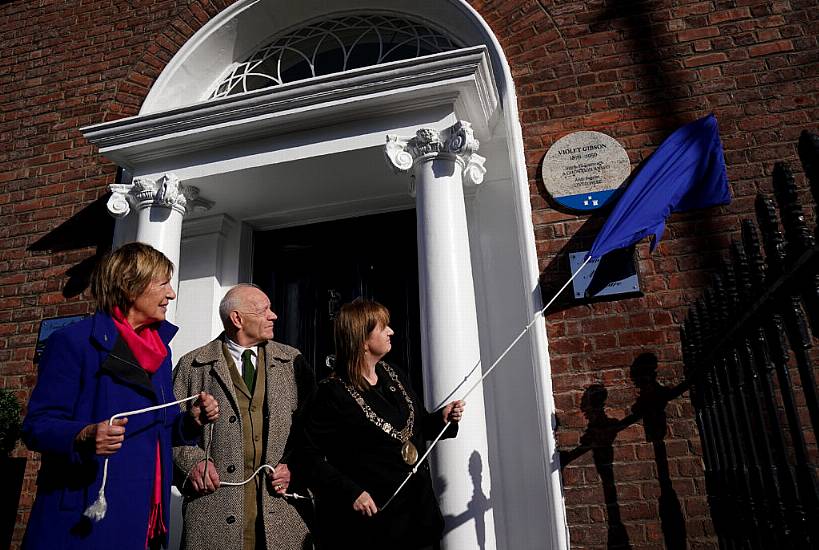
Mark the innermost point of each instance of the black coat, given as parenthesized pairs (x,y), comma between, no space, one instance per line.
(349,454)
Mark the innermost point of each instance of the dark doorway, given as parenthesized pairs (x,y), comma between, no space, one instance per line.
(310,271)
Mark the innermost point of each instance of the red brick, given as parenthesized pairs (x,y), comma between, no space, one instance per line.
(705,59)
(770,48)
(728,15)
(698,33)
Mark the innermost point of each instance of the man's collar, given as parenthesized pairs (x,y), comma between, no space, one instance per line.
(238,348)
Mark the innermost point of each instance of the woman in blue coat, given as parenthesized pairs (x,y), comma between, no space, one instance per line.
(114,361)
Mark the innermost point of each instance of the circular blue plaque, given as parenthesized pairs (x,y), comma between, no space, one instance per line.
(583,170)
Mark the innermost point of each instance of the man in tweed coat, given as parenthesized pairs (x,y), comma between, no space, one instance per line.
(263,386)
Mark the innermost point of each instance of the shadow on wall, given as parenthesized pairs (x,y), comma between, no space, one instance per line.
(601,432)
(91,226)
(477,506)
(651,65)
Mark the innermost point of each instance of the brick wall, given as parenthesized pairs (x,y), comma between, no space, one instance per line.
(65,65)
(638,70)
(635,70)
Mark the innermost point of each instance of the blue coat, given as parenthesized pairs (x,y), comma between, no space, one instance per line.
(87,374)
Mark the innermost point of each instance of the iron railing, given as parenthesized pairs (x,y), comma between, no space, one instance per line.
(747,347)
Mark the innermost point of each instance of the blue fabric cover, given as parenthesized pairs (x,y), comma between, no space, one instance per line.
(687,171)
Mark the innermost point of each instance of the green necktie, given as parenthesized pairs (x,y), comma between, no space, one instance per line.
(248,371)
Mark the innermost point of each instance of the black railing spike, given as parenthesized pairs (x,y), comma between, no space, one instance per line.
(809,157)
(742,270)
(705,312)
(713,305)
(798,237)
(772,237)
(756,264)
(729,297)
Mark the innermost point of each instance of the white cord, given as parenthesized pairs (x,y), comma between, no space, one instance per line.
(259,469)
(96,511)
(479,381)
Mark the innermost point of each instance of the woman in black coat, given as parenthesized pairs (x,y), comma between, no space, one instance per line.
(364,428)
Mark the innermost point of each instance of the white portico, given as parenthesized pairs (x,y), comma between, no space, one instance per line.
(207,170)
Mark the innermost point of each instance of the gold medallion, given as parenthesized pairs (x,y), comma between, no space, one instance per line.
(409,453)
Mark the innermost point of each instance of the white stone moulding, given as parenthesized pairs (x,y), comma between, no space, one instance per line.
(461,79)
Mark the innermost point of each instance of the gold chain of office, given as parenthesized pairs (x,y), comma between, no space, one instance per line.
(402,435)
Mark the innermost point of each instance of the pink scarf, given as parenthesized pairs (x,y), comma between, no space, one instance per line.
(147,346)
(149,351)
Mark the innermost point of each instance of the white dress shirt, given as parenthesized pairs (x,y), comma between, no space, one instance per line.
(236,353)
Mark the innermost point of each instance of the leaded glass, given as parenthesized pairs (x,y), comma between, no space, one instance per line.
(332,46)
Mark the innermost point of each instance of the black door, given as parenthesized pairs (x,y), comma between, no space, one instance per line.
(310,271)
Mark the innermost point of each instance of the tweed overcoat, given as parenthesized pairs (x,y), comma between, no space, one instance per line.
(86,375)
(216,520)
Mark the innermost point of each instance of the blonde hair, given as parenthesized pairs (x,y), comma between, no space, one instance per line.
(353,325)
(123,274)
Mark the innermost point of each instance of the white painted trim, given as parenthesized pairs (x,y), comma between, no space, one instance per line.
(215,25)
(461,78)
(529,259)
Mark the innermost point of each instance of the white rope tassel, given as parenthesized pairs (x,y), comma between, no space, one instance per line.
(96,511)
(479,381)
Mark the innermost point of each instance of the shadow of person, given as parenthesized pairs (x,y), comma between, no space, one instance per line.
(477,506)
(90,227)
(651,402)
(601,431)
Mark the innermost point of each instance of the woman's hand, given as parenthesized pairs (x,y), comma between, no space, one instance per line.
(365,504)
(201,484)
(279,478)
(107,438)
(454,411)
(205,409)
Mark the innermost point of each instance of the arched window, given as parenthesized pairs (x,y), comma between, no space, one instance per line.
(332,46)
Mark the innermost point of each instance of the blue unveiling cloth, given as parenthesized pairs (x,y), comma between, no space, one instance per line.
(687,171)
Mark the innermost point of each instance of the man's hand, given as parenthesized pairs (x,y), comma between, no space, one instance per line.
(200,484)
(365,504)
(107,439)
(205,409)
(279,478)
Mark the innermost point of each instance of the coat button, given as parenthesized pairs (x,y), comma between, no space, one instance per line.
(231,469)
(232,419)
(231,519)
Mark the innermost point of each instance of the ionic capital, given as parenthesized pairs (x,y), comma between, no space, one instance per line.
(457,142)
(144,192)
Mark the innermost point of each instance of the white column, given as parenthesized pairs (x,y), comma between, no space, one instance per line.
(440,163)
(161,204)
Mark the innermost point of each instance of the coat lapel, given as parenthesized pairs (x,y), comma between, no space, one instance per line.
(211,354)
(122,365)
(279,399)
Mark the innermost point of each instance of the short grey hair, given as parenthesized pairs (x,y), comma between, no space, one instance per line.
(232,302)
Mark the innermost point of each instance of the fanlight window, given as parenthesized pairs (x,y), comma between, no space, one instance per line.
(332,46)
